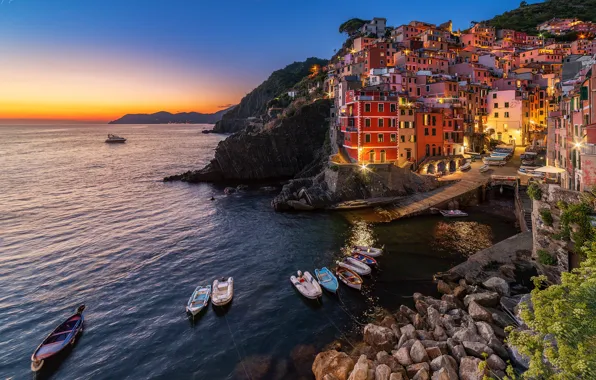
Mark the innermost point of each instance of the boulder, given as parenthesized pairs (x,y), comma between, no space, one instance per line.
(422,374)
(451,299)
(413,369)
(468,335)
(380,338)
(396,330)
(443,287)
(388,321)
(364,349)
(498,285)
(418,353)
(421,307)
(460,292)
(477,349)
(488,299)
(445,374)
(443,361)
(403,356)
(389,360)
(360,371)
(500,318)
(445,306)
(517,358)
(478,313)
(402,340)
(332,362)
(407,312)
(496,363)
(433,352)
(409,331)
(396,376)
(485,331)
(382,372)
(459,352)
(424,335)
(468,369)
(418,322)
(440,334)
(433,317)
(498,347)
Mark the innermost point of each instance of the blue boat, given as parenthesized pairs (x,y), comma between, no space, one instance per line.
(327,279)
(57,341)
(364,258)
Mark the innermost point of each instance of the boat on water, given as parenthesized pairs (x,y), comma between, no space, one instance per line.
(355,265)
(306,285)
(453,213)
(465,167)
(327,279)
(349,277)
(484,168)
(222,291)
(62,337)
(369,251)
(198,300)
(364,258)
(115,139)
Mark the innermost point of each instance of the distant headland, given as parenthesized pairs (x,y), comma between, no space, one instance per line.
(169,118)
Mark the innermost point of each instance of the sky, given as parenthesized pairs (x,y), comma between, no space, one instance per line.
(95,60)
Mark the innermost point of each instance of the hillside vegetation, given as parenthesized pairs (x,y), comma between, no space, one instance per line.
(528,16)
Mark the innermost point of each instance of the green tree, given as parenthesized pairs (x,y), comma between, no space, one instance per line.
(523,4)
(352,26)
(561,342)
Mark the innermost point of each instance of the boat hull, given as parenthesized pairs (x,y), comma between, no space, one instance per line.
(349,278)
(327,280)
(365,259)
(199,300)
(307,286)
(222,296)
(356,266)
(369,251)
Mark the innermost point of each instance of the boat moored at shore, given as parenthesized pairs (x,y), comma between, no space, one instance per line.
(453,213)
(365,259)
(327,279)
(369,251)
(349,277)
(355,265)
(306,285)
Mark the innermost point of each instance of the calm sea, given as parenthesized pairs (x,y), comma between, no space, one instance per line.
(82,221)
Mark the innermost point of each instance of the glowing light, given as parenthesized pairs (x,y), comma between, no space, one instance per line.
(578,145)
(363,167)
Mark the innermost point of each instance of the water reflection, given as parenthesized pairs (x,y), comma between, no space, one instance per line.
(465,238)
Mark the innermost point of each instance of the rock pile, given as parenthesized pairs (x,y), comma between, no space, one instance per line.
(442,339)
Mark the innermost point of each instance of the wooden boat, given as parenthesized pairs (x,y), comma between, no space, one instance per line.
(58,340)
(306,285)
(222,291)
(484,168)
(364,258)
(349,277)
(113,139)
(369,251)
(198,300)
(327,279)
(355,265)
(453,213)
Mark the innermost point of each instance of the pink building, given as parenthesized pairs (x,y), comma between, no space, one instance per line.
(541,55)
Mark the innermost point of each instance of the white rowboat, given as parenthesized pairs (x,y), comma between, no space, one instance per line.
(307,285)
(368,251)
(355,265)
(223,291)
(198,300)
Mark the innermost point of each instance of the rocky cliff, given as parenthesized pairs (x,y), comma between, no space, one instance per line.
(255,103)
(166,117)
(281,150)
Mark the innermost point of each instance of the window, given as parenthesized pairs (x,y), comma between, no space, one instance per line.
(367,138)
(388,122)
(413,138)
(380,137)
(494,96)
(496,105)
(402,124)
(410,112)
(381,107)
(496,115)
(402,112)
(425,131)
(367,107)
(425,119)
(506,104)
(506,114)
(434,130)
(401,137)
(367,122)
(446,135)
(434,120)
(381,123)
(393,108)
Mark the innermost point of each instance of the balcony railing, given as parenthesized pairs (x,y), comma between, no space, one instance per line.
(588,149)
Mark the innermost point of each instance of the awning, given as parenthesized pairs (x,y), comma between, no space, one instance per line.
(550,170)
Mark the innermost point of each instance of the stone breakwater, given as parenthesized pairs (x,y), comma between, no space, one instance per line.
(446,338)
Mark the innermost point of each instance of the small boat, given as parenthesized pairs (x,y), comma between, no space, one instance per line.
(222,291)
(349,277)
(198,300)
(327,279)
(466,166)
(307,285)
(484,168)
(115,139)
(453,213)
(368,251)
(364,258)
(62,337)
(355,265)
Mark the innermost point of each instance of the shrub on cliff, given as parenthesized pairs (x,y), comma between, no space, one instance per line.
(546,216)
(534,192)
(561,342)
(545,258)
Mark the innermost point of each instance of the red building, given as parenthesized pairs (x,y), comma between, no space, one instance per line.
(429,130)
(369,121)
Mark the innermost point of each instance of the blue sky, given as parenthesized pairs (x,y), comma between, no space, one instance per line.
(198,50)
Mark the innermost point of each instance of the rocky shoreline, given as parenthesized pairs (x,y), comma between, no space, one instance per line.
(447,338)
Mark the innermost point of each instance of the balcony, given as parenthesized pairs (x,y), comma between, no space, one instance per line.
(588,149)
(351,129)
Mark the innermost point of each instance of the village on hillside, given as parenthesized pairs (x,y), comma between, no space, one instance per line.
(426,96)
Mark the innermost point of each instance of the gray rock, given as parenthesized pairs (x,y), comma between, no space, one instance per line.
(403,356)
(488,299)
(445,374)
(421,307)
(381,338)
(419,322)
(418,353)
(360,371)
(459,352)
(477,349)
(443,287)
(396,376)
(433,352)
(496,363)
(518,358)
(413,369)
(388,321)
(440,334)
(468,369)
(433,317)
(445,306)
(424,335)
(479,313)
(500,318)
(396,330)
(443,361)
(385,358)
(498,347)
(409,331)
(407,312)
(468,336)
(498,285)
(382,372)
(422,374)
(452,299)
(485,331)
(402,340)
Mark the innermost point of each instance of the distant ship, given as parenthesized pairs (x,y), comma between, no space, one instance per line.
(115,139)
